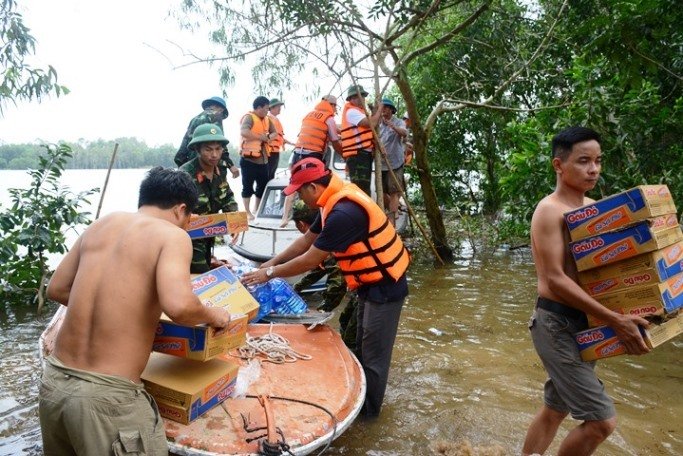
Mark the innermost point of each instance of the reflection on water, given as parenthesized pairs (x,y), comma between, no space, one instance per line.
(19,377)
(478,380)
(463,365)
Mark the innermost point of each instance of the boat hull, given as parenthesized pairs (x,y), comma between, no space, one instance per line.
(332,380)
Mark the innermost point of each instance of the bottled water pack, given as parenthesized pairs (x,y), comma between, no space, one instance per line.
(275,296)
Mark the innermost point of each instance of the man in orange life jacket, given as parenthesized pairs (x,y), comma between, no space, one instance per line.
(257,131)
(358,142)
(318,129)
(277,145)
(369,253)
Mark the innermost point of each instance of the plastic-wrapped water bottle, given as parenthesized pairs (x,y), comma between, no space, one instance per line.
(285,299)
(241,268)
(263,293)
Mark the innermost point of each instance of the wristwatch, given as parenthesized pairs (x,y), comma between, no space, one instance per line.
(269,271)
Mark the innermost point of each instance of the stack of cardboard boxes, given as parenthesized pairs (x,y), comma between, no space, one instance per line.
(188,376)
(628,250)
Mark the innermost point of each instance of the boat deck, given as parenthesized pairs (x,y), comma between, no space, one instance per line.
(332,379)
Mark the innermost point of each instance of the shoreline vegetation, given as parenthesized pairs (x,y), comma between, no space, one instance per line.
(133,153)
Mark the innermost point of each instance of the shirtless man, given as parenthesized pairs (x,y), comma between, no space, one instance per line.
(562,306)
(121,273)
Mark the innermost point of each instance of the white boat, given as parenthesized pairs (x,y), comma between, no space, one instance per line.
(306,404)
(265,238)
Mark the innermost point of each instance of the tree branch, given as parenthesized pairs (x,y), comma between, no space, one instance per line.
(439,108)
(448,36)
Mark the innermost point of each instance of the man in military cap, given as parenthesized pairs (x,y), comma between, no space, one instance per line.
(277,145)
(209,175)
(358,143)
(215,111)
(335,287)
(392,132)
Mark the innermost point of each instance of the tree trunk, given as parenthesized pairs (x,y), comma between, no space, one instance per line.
(420,140)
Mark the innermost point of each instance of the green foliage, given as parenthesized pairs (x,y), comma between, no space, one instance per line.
(621,67)
(132,153)
(34,225)
(18,79)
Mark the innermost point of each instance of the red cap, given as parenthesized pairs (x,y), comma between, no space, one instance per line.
(303,172)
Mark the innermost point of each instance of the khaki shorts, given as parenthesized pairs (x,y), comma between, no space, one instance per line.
(389,183)
(572,386)
(87,413)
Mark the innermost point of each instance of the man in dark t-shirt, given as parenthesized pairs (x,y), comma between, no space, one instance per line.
(370,254)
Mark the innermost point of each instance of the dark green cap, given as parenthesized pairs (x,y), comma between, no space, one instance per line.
(355,90)
(275,102)
(303,213)
(207,133)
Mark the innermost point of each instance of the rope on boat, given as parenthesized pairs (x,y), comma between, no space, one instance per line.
(286,447)
(271,347)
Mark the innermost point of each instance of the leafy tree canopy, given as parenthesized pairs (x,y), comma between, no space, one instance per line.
(18,79)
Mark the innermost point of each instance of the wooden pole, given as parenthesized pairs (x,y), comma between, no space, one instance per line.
(106,180)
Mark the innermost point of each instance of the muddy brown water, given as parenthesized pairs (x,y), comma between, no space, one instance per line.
(463,368)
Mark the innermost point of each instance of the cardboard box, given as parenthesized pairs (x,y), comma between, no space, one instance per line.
(216,288)
(654,299)
(184,389)
(618,245)
(201,342)
(645,269)
(620,210)
(602,342)
(221,288)
(211,225)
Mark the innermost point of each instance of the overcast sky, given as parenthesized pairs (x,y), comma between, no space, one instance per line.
(107,54)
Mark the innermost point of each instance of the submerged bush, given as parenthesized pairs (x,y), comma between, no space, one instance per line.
(35,225)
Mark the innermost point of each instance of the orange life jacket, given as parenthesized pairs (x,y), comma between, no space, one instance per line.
(381,255)
(313,134)
(277,144)
(252,147)
(354,138)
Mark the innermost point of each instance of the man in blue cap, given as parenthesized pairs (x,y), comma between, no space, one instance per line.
(215,111)
(392,132)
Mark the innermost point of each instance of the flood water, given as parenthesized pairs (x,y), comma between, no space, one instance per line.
(463,367)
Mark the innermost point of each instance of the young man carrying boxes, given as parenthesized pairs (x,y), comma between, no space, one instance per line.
(560,311)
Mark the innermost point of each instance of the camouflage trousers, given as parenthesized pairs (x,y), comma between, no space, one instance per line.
(360,169)
(334,294)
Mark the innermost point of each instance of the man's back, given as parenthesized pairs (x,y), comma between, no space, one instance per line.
(113,305)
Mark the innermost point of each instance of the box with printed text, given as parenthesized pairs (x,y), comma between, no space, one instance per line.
(654,299)
(185,389)
(216,288)
(620,210)
(211,225)
(644,269)
(619,245)
(602,342)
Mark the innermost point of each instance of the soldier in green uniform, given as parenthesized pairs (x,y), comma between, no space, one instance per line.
(335,290)
(215,111)
(209,174)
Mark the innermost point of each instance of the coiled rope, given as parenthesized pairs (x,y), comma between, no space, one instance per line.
(271,347)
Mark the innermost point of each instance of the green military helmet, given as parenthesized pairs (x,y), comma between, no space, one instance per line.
(354,90)
(303,213)
(207,132)
(275,102)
